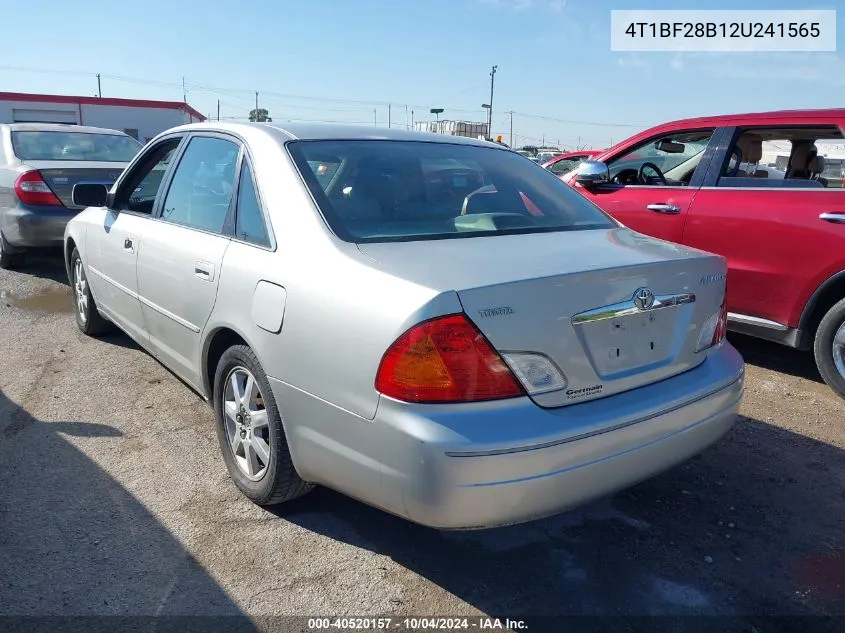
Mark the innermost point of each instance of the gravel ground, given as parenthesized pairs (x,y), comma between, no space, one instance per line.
(115,501)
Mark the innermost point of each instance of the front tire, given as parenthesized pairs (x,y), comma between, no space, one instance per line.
(88,318)
(250,431)
(829,348)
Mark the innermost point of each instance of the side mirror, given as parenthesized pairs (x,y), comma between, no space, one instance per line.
(89,194)
(591,173)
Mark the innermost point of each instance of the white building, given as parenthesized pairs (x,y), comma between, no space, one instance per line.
(139,118)
(469,129)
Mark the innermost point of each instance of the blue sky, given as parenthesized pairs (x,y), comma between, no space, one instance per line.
(341,59)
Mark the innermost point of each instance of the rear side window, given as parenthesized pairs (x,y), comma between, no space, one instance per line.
(382,190)
(799,157)
(249,223)
(77,146)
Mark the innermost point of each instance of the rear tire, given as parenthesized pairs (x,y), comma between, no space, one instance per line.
(250,431)
(88,318)
(829,348)
(8,259)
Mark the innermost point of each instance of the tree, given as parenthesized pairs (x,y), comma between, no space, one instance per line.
(260,115)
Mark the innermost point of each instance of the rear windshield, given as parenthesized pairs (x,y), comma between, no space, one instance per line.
(32,145)
(382,191)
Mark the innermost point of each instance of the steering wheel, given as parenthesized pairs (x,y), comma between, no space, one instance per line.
(659,174)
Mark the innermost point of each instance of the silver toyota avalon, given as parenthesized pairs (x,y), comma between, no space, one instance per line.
(430,324)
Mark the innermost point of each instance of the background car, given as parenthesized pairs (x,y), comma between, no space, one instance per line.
(349,334)
(564,163)
(39,165)
(700,182)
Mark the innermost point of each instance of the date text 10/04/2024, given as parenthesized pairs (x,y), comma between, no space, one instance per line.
(415,624)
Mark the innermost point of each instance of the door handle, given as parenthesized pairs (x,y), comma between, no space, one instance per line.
(129,245)
(836,218)
(664,208)
(204,271)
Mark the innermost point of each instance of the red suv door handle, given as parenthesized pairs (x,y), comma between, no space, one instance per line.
(836,218)
(664,208)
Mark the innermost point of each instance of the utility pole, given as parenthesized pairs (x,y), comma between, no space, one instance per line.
(406,116)
(256,105)
(412,119)
(388,115)
(490,109)
(511,128)
(375,117)
(184,92)
(99,88)
(218,109)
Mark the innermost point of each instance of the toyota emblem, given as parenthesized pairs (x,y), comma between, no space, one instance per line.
(644,298)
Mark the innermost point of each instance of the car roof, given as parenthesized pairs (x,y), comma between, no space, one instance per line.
(331,131)
(60,127)
(826,113)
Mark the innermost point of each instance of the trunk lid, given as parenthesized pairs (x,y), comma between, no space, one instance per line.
(571,296)
(61,176)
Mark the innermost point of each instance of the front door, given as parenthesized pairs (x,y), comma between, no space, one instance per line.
(653,183)
(112,255)
(180,259)
(113,241)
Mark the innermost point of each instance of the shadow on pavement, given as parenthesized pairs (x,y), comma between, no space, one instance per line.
(754,527)
(74,542)
(776,357)
(46,264)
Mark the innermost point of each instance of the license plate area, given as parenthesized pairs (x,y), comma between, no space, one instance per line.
(636,341)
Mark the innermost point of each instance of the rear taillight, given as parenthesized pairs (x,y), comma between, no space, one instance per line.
(445,359)
(715,328)
(30,188)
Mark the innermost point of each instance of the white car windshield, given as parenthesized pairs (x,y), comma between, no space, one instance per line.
(381,190)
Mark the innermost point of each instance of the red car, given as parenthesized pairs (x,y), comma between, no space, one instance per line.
(564,163)
(757,189)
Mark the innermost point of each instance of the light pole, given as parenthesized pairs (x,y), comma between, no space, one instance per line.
(490,105)
(437,112)
(486,106)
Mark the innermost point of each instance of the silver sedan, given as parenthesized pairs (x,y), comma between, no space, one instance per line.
(430,324)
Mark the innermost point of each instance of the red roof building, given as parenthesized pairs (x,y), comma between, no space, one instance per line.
(141,118)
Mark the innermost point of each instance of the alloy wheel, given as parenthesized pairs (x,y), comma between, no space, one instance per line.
(246,423)
(839,350)
(80,288)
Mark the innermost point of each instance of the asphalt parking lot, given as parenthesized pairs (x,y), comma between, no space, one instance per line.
(114,500)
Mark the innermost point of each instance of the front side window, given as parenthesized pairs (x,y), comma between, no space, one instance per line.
(76,146)
(139,189)
(801,157)
(249,221)
(201,190)
(669,160)
(415,190)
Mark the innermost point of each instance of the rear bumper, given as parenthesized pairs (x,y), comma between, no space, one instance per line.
(483,465)
(35,226)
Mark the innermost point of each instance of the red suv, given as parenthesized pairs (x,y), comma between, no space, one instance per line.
(764,190)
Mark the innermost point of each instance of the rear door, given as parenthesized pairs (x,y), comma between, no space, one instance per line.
(182,251)
(655,201)
(782,237)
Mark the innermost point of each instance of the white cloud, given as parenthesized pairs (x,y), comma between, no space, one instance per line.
(557,5)
(823,68)
(513,5)
(631,61)
(677,62)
